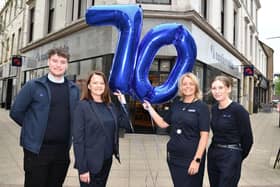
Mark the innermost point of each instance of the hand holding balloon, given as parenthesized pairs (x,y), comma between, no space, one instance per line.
(146,105)
(120,97)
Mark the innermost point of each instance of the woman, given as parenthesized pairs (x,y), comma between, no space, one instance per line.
(95,131)
(189,121)
(232,136)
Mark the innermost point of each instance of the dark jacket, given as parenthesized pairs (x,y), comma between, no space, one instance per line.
(31,108)
(89,136)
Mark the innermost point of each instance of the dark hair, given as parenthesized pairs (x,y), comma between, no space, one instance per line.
(86,95)
(224,79)
(59,52)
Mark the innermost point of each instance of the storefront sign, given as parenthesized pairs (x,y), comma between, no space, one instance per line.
(212,53)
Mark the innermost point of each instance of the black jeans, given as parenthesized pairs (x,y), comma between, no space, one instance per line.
(47,169)
(99,179)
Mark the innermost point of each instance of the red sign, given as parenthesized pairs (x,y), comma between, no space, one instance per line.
(248,71)
(17,61)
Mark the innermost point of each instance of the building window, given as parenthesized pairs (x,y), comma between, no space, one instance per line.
(251,45)
(6,50)
(21,4)
(31,23)
(12,44)
(51,16)
(11,9)
(82,6)
(252,8)
(1,23)
(164,2)
(235,28)
(245,38)
(19,40)
(2,52)
(6,18)
(15,8)
(222,16)
(204,8)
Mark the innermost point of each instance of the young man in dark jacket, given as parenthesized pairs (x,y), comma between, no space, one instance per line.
(43,108)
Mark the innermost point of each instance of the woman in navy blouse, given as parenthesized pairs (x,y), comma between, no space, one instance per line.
(189,121)
(232,136)
(95,132)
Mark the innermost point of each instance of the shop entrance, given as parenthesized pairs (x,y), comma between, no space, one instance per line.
(141,119)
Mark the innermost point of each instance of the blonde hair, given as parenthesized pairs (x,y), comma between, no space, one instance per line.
(197,94)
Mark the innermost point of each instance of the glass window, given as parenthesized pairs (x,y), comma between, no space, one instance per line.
(198,71)
(168,2)
(234,90)
(165,65)
(51,16)
(82,6)
(31,23)
(204,8)
(154,66)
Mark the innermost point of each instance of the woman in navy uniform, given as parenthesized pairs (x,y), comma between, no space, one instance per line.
(189,121)
(232,136)
(95,132)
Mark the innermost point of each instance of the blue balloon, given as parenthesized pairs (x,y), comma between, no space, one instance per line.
(157,37)
(131,63)
(128,20)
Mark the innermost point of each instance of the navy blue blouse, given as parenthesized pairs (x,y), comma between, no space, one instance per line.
(232,125)
(186,121)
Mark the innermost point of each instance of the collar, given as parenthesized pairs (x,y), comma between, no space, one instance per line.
(52,79)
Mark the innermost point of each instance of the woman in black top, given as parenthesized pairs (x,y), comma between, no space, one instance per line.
(189,121)
(232,136)
(95,131)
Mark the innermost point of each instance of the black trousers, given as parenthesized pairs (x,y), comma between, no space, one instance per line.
(178,168)
(47,169)
(224,166)
(99,179)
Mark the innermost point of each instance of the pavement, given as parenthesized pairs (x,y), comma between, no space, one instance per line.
(143,157)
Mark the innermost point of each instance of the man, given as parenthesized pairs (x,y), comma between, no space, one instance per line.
(43,108)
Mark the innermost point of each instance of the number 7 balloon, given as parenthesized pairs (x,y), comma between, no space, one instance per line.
(132,62)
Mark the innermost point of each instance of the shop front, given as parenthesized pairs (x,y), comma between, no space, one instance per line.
(8,84)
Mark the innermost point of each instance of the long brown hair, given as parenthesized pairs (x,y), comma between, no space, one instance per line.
(86,95)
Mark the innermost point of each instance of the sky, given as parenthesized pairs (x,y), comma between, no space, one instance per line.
(269,27)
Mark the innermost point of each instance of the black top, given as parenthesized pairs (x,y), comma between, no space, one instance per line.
(186,121)
(58,128)
(108,121)
(232,125)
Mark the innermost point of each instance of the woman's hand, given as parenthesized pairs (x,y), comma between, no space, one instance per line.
(193,168)
(120,96)
(85,177)
(146,105)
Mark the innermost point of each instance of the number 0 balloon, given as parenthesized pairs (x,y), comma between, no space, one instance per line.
(132,62)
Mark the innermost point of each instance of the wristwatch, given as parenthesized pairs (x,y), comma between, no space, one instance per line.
(198,160)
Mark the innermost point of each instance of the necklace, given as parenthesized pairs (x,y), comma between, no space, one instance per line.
(187,105)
